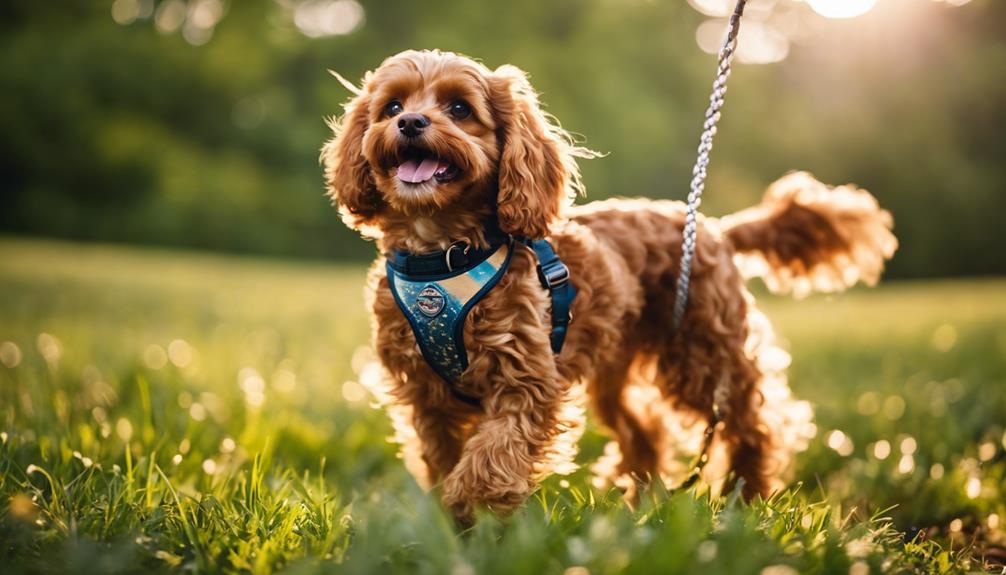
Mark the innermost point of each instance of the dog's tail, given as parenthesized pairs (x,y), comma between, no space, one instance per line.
(807,236)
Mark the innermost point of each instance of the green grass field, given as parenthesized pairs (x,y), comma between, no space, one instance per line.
(166,411)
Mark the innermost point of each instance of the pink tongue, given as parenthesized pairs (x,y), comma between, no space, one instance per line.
(416,172)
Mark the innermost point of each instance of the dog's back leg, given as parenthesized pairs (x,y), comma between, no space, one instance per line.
(638,441)
(707,363)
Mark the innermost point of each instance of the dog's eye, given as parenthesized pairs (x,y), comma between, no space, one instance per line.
(459,110)
(393,108)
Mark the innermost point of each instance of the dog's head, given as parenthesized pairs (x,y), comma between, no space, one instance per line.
(432,130)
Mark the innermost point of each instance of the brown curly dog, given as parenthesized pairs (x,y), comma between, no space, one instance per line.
(487,153)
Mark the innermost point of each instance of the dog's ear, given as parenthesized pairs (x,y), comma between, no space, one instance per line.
(534,165)
(348,177)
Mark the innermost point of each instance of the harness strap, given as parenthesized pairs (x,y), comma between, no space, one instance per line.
(554,277)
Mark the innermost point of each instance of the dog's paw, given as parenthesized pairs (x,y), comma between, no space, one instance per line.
(465,490)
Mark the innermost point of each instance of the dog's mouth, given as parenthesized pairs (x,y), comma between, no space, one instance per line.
(418,166)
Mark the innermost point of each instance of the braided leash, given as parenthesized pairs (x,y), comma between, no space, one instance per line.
(702,162)
(694,200)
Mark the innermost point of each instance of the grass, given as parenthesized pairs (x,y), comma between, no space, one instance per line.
(162,412)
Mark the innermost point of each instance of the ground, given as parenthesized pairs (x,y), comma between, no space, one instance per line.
(165,411)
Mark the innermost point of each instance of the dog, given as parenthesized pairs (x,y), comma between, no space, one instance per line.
(436,151)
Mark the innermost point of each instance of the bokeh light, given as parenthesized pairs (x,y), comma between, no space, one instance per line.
(196,19)
(770,28)
(319,18)
(840,442)
(10,354)
(882,449)
(842,8)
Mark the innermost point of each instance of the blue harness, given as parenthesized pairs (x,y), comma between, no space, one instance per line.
(436,291)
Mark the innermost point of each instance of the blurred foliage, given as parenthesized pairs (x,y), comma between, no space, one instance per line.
(165,412)
(124,133)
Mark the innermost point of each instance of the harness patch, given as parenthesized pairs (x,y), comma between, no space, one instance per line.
(430,301)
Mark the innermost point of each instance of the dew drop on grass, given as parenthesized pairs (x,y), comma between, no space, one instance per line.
(227,445)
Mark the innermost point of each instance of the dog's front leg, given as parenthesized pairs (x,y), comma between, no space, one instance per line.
(440,434)
(499,462)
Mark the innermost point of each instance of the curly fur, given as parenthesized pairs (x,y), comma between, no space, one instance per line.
(653,388)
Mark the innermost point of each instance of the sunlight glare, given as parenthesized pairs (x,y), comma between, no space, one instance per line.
(841,8)
(715,8)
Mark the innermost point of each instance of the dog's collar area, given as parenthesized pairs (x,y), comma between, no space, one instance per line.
(458,258)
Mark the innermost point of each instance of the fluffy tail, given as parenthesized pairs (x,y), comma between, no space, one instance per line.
(807,236)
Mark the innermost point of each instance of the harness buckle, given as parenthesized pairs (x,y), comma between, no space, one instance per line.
(451,248)
(553,275)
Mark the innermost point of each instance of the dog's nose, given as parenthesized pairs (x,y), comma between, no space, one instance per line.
(412,125)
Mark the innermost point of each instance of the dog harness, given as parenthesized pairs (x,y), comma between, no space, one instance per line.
(436,291)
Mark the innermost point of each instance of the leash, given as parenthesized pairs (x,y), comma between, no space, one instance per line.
(698,185)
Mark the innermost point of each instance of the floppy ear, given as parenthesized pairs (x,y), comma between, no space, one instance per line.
(347,174)
(535,163)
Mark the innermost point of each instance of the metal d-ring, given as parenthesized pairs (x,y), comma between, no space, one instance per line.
(447,254)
